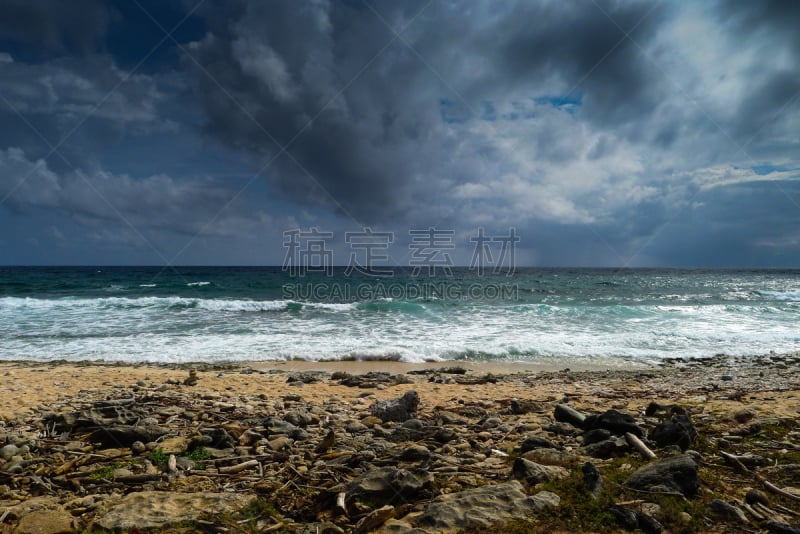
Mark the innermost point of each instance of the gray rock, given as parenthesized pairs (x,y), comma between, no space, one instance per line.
(46,522)
(8,451)
(398,410)
(535,442)
(387,485)
(678,431)
(273,425)
(523,406)
(415,453)
(728,511)
(301,418)
(595,436)
(491,422)
(626,518)
(356,428)
(473,412)
(534,473)
(306,378)
(592,479)
(610,448)
(126,435)
(216,437)
(775,527)
(482,507)
(615,421)
(673,474)
(413,424)
(279,443)
(450,418)
(561,429)
(648,524)
(299,434)
(546,499)
(159,509)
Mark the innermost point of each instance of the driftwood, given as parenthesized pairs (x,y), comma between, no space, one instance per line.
(340,502)
(374,519)
(749,509)
(733,460)
(238,468)
(637,444)
(775,489)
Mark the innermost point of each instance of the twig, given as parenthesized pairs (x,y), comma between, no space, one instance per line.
(734,460)
(650,492)
(775,489)
(637,444)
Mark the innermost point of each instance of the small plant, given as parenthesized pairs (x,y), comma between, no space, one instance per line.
(199,456)
(105,473)
(158,458)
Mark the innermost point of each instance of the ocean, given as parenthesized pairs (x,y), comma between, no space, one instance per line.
(558,316)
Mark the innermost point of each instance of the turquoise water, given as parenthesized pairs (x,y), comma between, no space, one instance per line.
(240,314)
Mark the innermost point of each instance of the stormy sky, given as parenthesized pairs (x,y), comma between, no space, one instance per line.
(606,133)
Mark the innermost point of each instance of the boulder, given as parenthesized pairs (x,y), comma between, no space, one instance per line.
(677,431)
(610,448)
(535,442)
(534,473)
(398,410)
(482,507)
(161,509)
(46,522)
(387,485)
(615,421)
(301,418)
(673,474)
(126,435)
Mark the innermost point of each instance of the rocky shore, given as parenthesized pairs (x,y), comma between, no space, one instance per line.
(687,446)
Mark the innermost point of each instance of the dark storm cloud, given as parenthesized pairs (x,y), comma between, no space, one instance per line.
(286,65)
(773,90)
(38,29)
(619,128)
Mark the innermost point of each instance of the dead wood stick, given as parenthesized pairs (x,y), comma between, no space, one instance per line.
(775,489)
(231,469)
(637,444)
(733,460)
(340,502)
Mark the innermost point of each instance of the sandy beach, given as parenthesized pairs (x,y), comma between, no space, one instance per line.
(472,422)
(27,385)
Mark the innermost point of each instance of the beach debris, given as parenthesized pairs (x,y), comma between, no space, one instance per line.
(356,464)
(399,409)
